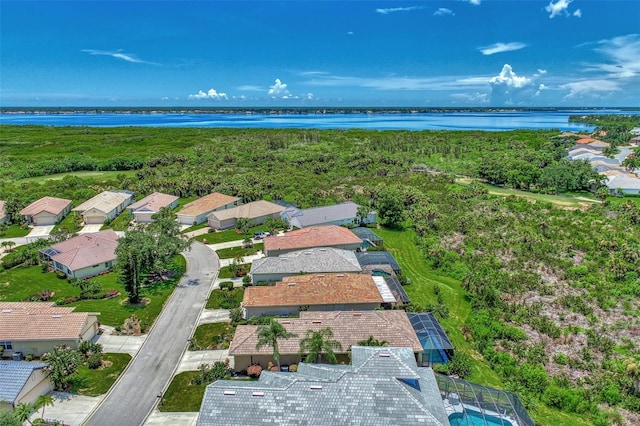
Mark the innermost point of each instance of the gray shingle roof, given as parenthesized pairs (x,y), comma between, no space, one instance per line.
(314,260)
(321,215)
(13,377)
(383,386)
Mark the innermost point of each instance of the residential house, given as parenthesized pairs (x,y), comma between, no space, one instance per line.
(196,212)
(256,211)
(313,236)
(368,237)
(635,131)
(104,207)
(315,292)
(46,211)
(144,209)
(85,255)
(4,217)
(37,327)
(598,145)
(343,214)
(311,261)
(381,386)
(348,328)
(626,184)
(634,141)
(22,383)
(585,140)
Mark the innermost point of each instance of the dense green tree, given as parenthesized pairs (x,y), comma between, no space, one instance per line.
(243,225)
(390,207)
(268,335)
(63,362)
(7,418)
(319,343)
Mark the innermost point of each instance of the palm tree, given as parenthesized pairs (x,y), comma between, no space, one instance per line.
(43,402)
(317,343)
(268,335)
(24,411)
(371,341)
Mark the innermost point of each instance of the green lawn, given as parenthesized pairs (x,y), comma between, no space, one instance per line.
(226,236)
(120,223)
(181,395)
(14,231)
(19,283)
(227,273)
(225,299)
(196,227)
(411,259)
(97,382)
(233,252)
(70,223)
(87,174)
(567,200)
(208,336)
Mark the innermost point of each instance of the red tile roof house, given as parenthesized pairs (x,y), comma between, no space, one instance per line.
(46,211)
(348,327)
(104,206)
(196,212)
(313,292)
(37,327)
(255,211)
(4,218)
(84,255)
(151,204)
(313,236)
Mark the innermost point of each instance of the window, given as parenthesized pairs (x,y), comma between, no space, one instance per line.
(6,346)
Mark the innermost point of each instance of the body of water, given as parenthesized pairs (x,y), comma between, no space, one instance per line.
(489,121)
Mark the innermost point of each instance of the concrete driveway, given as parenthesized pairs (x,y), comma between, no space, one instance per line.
(89,228)
(121,344)
(70,408)
(177,419)
(194,359)
(214,315)
(139,388)
(40,231)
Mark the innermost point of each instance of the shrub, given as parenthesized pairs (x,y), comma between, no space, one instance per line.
(460,365)
(61,275)
(94,361)
(88,348)
(45,295)
(235,315)
(246,281)
(293,368)
(254,370)
(28,357)
(227,285)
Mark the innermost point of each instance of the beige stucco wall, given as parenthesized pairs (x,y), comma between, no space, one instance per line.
(242,362)
(37,384)
(39,347)
(84,272)
(143,217)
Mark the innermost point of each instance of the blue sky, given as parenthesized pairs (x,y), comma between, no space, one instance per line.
(331,53)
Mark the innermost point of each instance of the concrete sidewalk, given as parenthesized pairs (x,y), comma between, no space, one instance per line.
(193,359)
(246,259)
(70,408)
(158,418)
(121,344)
(214,315)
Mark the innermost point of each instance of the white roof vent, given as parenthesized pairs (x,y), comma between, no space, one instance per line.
(257,394)
(340,275)
(6,311)
(291,284)
(384,355)
(56,316)
(229,392)
(315,387)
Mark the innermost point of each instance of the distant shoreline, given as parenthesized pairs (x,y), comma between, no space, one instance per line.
(289,111)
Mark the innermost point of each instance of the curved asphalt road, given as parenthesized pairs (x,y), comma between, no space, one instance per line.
(136,392)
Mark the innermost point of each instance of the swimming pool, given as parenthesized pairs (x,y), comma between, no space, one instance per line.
(475,418)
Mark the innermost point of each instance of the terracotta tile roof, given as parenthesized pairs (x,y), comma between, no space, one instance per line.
(252,210)
(46,204)
(87,249)
(586,140)
(207,203)
(105,201)
(153,202)
(349,327)
(40,321)
(598,144)
(3,212)
(315,289)
(313,236)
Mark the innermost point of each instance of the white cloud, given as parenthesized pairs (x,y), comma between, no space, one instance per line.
(309,96)
(590,88)
(577,13)
(211,94)
(279,90)
(400,82)
(560,7)
(349,32)
(509,88)
(623,54)
(118,54)
(501,47)
(474,2)
(250,88)
(540,72)
(477,97)
(389,10)
(443,11)
(541,87)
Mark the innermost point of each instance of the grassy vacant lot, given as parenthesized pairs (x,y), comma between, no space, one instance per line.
(423,280)
(97,382)
(14,231)
(208,336)
(20,283)
(233,252)
(226,236)
(225,299)
(182,395)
